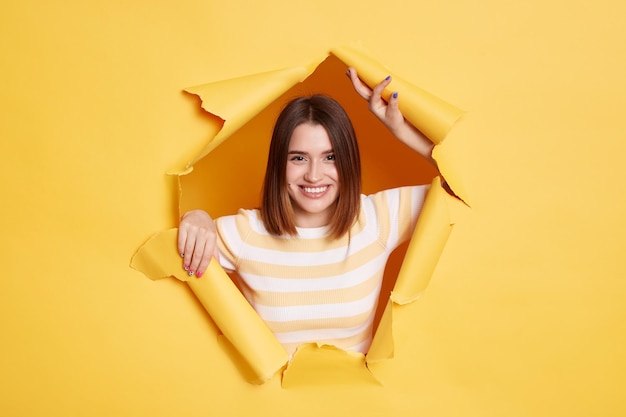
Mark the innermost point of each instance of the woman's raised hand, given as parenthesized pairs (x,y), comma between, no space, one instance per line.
(391,116)
(196,241)
(387,112)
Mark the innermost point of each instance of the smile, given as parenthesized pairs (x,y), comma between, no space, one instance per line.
(315,190)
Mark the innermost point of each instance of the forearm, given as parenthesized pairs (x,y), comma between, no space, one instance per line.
(414,139)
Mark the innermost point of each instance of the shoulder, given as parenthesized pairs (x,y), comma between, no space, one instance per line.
(244,223)
(401,205)
(396,196)
(245,218)
(233,233)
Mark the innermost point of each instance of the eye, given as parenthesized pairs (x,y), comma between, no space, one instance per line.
(297,158)
(330,157)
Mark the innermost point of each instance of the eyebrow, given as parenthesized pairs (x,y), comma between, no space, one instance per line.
(296,152)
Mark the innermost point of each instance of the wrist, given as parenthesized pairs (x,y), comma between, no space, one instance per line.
(195,213)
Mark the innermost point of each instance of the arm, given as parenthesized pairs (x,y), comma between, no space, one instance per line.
(196,241)
(389,114)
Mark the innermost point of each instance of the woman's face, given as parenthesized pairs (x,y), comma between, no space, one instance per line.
(312,178)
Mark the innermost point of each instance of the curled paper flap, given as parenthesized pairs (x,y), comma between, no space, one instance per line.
(238,100)
(429,238)
(447,163)
(382,346)
(430,114)
(228,308)
(420,260)
(433,116)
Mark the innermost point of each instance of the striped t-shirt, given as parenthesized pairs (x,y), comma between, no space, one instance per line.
(311,288)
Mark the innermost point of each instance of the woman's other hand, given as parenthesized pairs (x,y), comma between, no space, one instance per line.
(196,241)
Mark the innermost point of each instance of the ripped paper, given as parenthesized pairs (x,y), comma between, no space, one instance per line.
(237,101)
(427,243)
(230,311)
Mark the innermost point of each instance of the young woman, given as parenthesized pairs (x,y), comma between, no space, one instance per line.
(311,259)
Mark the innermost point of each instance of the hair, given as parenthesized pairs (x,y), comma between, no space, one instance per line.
(276,207)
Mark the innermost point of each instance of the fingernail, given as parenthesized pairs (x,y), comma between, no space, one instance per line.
(388,78)
(199,274)
(395,94)
(186,267)
(190,273)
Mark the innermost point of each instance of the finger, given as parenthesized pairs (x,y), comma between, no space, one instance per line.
(392,105)
(182,238)
(189,248)
(197,255)
(377,92)
(393,116)
(185,246)
(361,88)
(205,259)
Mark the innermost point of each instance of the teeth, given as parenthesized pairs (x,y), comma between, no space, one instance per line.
(315,190)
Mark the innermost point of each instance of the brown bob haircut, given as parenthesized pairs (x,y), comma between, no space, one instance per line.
(276,207)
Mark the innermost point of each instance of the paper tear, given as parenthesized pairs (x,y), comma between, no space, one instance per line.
(314,365)
(430,114)
(237,101)
(382,347)
(240,99)
(433,116)
(217,293)
(427,243)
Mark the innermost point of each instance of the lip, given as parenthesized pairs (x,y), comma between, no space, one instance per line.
(314,192)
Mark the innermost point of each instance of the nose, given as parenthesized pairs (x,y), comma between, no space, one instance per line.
(314,172)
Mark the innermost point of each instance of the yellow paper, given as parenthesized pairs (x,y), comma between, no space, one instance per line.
(427,243)
(228,308)
(429,239)
(431,115)
(315,365)
(382,346)
(230,101)
(238,100)
(524,315)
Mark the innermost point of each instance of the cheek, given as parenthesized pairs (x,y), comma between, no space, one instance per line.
(291,173)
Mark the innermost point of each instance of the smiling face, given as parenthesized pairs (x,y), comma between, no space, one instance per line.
(312,177)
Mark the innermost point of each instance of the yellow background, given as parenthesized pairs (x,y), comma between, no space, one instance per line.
(525,314)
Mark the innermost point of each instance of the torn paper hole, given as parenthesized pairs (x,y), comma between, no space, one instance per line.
(249,106)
